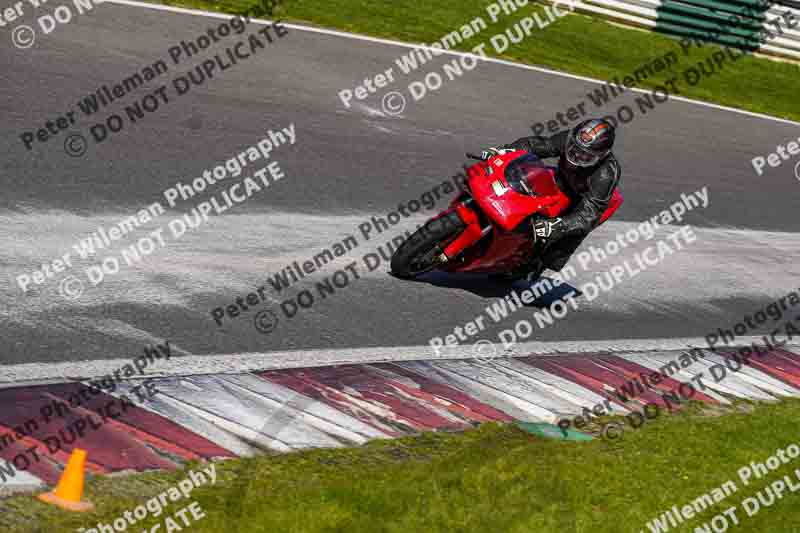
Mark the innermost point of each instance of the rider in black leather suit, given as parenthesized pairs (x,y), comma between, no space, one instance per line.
(587,172)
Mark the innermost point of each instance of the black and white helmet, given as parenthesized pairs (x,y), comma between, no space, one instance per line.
(589,142)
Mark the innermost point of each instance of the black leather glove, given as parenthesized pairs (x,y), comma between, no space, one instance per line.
(545,229)
(495,150)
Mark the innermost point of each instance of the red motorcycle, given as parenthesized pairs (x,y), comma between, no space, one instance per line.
(482,230)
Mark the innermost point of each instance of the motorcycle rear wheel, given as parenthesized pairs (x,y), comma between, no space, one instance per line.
(421,252)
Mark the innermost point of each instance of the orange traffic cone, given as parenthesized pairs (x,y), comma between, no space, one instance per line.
(69,491)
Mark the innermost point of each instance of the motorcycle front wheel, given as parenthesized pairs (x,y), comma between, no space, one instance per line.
(422,251)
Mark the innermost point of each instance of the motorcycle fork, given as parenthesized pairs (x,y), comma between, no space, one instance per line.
(471,234)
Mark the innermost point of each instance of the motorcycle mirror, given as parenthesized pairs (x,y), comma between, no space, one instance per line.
(473,156)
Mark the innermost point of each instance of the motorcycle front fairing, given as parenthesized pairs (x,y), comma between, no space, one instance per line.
(512,187)
(507,189)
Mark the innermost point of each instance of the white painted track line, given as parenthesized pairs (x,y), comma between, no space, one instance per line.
(355,36)
(237,363)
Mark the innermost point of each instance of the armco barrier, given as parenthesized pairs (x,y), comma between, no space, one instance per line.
(736,23)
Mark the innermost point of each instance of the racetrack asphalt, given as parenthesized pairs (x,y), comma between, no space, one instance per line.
(346,166)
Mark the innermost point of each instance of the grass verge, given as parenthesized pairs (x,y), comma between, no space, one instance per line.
(576,43)
(495,478)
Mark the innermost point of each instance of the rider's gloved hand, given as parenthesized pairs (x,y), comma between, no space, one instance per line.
(545,229)
(498,150)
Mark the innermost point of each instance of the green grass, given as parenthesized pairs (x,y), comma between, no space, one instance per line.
(576,44)
(495,478)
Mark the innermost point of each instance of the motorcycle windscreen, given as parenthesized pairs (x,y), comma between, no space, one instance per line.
(530,176)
